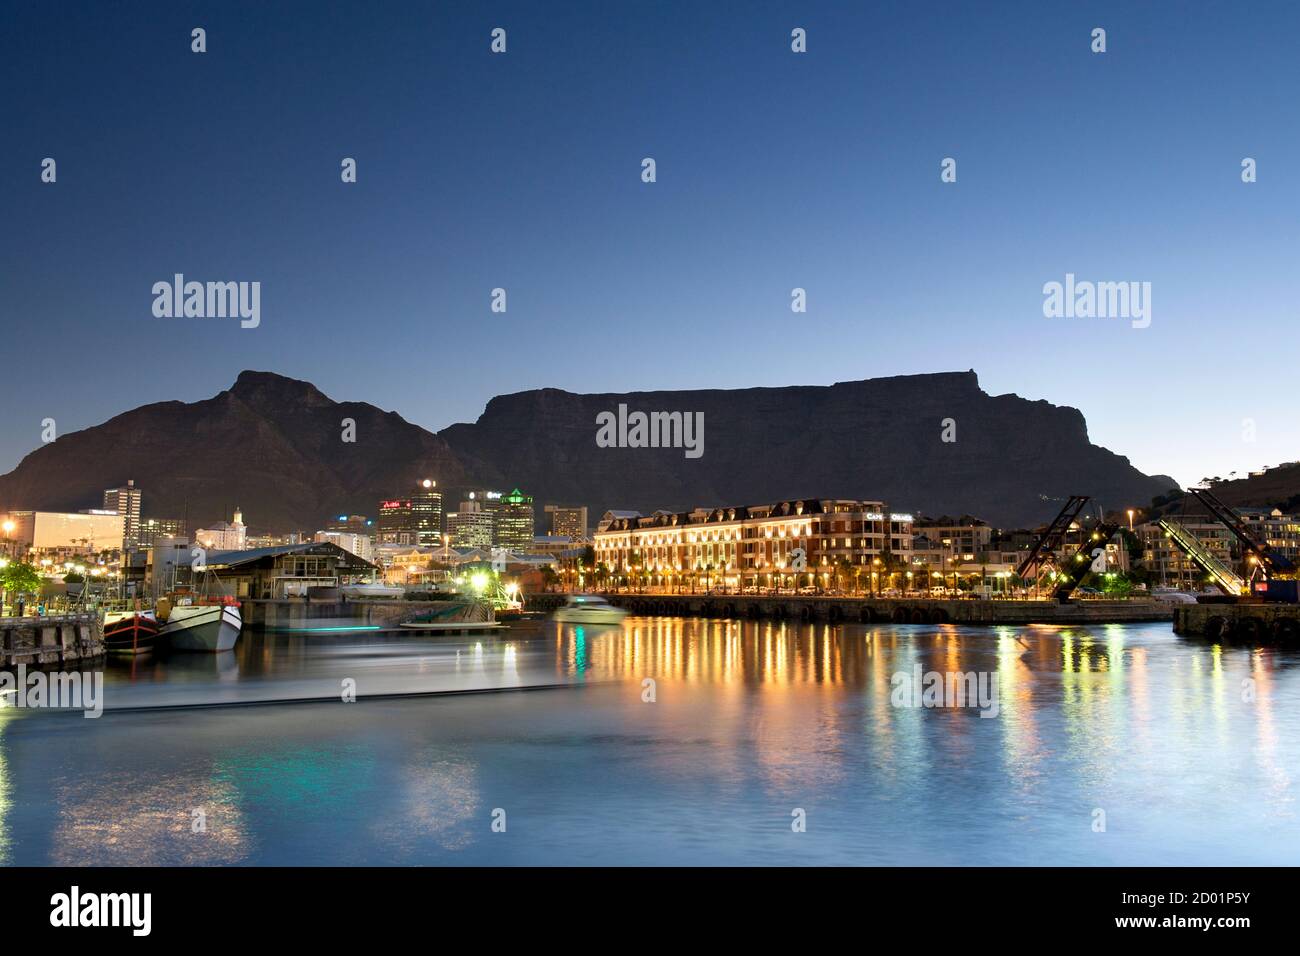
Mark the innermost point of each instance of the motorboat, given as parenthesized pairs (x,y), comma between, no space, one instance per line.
(589,609)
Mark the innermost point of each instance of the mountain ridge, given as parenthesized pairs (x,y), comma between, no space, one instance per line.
(880,438)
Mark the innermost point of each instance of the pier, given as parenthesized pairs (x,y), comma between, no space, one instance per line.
(51,640)
(867,610)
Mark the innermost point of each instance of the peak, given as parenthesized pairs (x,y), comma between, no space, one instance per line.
(249,378)
(252,386)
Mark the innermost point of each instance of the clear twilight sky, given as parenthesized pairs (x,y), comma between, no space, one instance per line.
(775,170)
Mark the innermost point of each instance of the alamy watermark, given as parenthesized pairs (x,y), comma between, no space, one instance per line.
(1098,300)
(133,911)
(208,300)
(651,430)
(65,690)
(976,689)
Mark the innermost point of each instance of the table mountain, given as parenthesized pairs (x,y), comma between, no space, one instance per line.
(1013,461)
(273,446)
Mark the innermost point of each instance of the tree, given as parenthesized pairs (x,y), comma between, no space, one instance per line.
(19,578)
(843,572)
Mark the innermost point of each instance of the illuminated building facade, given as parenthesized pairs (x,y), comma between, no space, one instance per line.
(514,524)
(125,501)
(349,541)
(224,535)
(758,544)
(471,526)
(56,534)
(152,529)
(568,523)
(414,519)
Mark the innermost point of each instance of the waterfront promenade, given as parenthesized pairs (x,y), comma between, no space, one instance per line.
(866,609)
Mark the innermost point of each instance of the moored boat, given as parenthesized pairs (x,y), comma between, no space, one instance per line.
(206,627)
(372,589)
(130,632)
(589,609)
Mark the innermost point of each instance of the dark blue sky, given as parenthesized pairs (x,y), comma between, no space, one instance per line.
(775,170)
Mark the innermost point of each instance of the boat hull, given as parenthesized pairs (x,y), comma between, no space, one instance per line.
(590,615)
(203,629)
(130,634)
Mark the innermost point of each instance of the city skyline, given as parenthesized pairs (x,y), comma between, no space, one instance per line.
(775,171)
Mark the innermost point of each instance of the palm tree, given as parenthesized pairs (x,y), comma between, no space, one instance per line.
(843,571)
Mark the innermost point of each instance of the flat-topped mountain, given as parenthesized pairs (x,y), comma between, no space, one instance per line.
(1012,462)
(274,446)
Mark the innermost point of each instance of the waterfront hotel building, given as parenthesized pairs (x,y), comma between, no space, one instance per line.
(754,544)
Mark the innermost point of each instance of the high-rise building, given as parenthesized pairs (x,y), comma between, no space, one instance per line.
(126,502)
(471,526)
(514,525)
(151,529)
(568,523)
(396,524)
(414,519)
(353,524)
(426,505)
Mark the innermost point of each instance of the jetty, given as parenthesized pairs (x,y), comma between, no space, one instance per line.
(52,640)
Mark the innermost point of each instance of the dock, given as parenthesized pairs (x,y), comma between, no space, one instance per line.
(52,640)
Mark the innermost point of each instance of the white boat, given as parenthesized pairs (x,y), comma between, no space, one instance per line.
(372,589)
(589,609)
(201,627)
(1173,596)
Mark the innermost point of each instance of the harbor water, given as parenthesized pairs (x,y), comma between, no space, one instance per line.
(670,741)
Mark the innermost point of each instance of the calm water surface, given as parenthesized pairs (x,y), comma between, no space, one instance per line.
(1191,750)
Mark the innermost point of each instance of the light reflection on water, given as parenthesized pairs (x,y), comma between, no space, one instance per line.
(750,720)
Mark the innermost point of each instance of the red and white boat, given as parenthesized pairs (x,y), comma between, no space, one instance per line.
(130,632)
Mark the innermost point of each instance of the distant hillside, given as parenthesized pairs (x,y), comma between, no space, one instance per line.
(1278,487)
(272,446)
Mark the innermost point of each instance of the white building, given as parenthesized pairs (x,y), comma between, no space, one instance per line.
(224,535)
(358,544)
(757,544)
